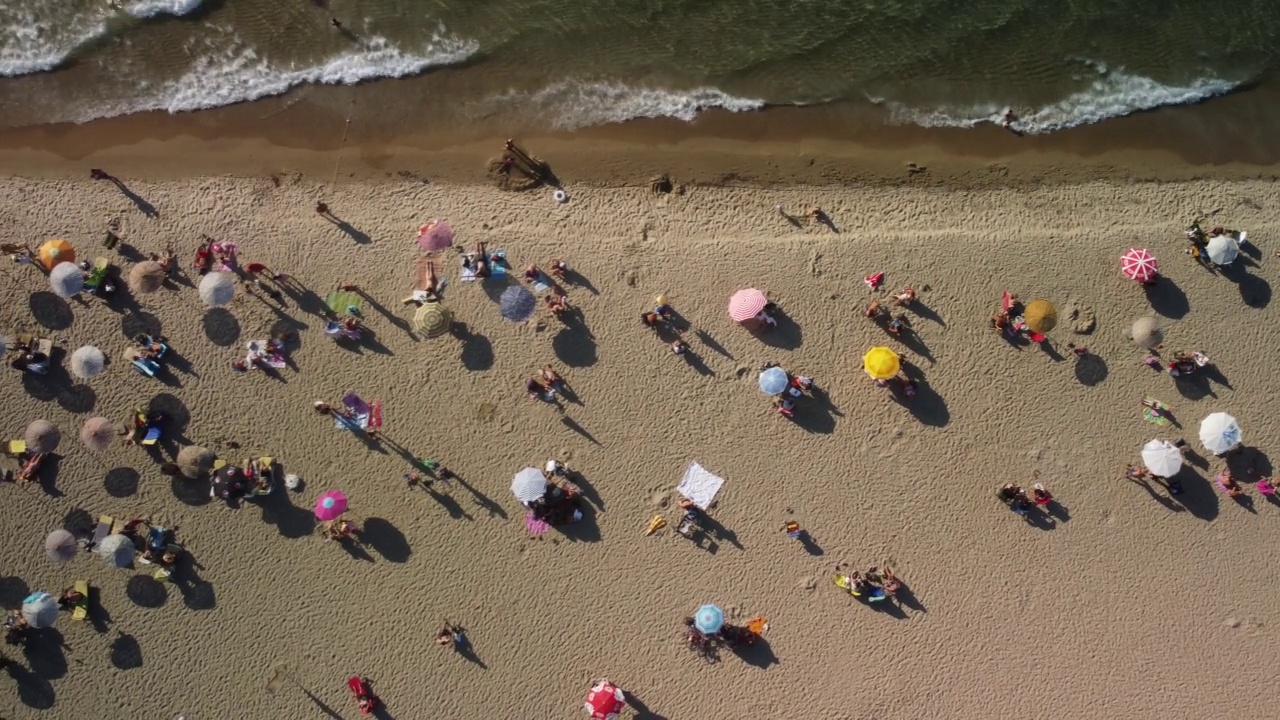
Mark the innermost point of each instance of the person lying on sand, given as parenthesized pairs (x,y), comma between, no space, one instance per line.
(1136,474)
(558,268)
(873,311)
(557,302)
(532,273)
(449,634)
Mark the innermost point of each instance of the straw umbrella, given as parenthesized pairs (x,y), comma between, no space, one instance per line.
(194,461)
(42,436)
(1146,332)
(146,277)
(217,289)
(66,279)
(87,362)
(98,433)
(60,546)
(117,550)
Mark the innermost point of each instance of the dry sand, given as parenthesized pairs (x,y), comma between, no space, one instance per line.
(1123,605)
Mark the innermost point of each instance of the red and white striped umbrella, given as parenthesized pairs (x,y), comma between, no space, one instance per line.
(746,304)
(1140,265)
(605,701)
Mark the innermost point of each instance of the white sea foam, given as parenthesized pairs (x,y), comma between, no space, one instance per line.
(1111,94)
(152,8)
(35,36)
(573,104)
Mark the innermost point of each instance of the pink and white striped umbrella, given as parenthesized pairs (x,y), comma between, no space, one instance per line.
(1140,265)
(745,304)
(435,236)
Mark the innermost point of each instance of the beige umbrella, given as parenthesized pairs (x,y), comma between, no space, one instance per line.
(194,461)
(87,362)
(42,436)
(146,277)
(1146,332)
(98,433)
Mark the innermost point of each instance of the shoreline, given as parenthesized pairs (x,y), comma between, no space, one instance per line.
(368,137)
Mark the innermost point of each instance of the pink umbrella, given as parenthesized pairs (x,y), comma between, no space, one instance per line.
(746,304)
(331,505)
(435,236)
(1140,265)
(605,701)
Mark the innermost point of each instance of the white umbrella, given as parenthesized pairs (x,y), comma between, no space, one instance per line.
(1162,458)
(1219,433)
(529,484)
(87,362)
(40,610)
(1222,249)
(217,289)
(773,381)
(66,279)
(117,549)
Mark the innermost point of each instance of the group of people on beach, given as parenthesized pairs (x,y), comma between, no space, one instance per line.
(1017,499)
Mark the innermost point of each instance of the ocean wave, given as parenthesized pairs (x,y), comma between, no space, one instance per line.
(1112,94)
(153,8)
(36,38)
(571,104)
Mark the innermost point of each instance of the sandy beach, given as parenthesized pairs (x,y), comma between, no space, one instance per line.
(1122,603)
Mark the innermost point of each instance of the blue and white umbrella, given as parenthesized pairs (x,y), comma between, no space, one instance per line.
(1220,433)
(517,303)
(774,380)
(709,619)
(40,610)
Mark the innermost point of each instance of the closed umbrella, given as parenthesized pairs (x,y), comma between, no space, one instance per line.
(40,610)
(66,279)
(517,303)
(1040,316)
(60,546)
(41,437)
(146,277)
(331,505)
(1222,249)
(1219,432)
(117,550)
(1146,332)
(194,461)
(1139,265)
(708,619)
(605,701)
(881,363)
(87,362)
(1162,458)
(529,484)
(435,236)
(773,381)
(432,319)
(746,304)
(56,251)
(217,289)
(98,433)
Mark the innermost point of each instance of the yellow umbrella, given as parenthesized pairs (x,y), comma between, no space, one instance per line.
(880,363)
(432,320)
(56,251)
(1040,316)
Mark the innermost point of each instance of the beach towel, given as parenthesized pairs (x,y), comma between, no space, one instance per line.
(1153,411)
(467,274)
(344,303)
(541,284)
(351,423)
(699,485)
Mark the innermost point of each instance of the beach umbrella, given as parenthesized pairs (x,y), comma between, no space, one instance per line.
(773,381)
(60,546)
(435,236)
(1219,432)
(529,484)
(746,304)
(98,433)
(1040,316)
(217,289)
(41,437)
(1146,332)
(229,482)
(708,619)
(517,303)
(117,550)
(1162,458)
(1222,249)
(605,701)
(87,362)
(881,363)
(194,461)
(146,277)
(1139,265)
(432,319)
(56,251)
(66,279)
(331,505)
(40,610)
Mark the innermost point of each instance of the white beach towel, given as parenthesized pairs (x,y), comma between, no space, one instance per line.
(699,485)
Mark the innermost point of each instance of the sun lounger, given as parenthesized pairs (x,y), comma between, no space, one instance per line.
(147,366)
(98,275)
(45,345)
(375,416)
(103,528)
(14,448)
(151,435)
(81,610)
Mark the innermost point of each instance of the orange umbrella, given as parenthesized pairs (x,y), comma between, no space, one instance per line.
(56,251)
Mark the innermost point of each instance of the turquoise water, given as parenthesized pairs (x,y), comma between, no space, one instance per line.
(929,62)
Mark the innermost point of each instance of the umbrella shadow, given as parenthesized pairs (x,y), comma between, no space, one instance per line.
(1254,290)
(785,335)
(1194,386)
(1198,495)
(290,520)
(33,691)
(758,654)
(575,346)
(126,652)
(177,417)
(584,530)
(221,327)
(45,653)
(191,492)
(50,311)
(386,539)
(140,322)
(819,414)
(476,352)
(588,491)
(1166,298)
(1091,370)
(145,591)
(121,482)
(640,710)
(705,338)
(927,407)
(12,590)
(1249,464)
